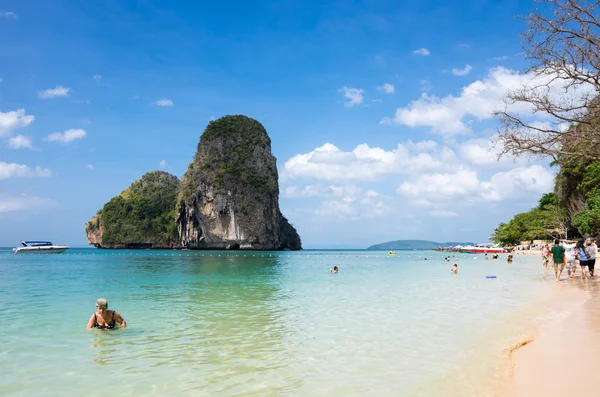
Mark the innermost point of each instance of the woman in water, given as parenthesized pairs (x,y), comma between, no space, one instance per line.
(104,318)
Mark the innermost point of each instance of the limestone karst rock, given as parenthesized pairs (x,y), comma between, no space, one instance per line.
(229,196)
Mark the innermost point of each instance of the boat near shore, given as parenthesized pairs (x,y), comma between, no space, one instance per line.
(39,247)
(476,249)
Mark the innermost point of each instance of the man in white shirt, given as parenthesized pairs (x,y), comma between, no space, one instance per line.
(570,258)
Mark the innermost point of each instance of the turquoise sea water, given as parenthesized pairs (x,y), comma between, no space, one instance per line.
(264,324)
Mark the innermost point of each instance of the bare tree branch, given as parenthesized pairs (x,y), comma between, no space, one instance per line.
(563,44)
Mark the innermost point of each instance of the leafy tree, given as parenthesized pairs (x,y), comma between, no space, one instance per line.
(588,220)
(547,220)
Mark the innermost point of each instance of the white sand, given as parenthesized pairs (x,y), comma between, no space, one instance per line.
(565,359)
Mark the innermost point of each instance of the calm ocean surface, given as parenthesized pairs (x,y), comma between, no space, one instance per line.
(247,324)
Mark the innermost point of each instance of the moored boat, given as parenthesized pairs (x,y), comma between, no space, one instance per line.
(39,247)
(481,249)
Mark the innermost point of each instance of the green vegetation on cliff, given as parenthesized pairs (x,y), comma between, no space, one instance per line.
(546,221)
(571,211)
(241,140)
(142,215)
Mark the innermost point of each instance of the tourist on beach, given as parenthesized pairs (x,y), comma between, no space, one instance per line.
(558,254)
(545,254)
(582,256)
(334,270)
(591,251)
(454,269)
(570,258)
(509,258)
(485,256)
(104,318)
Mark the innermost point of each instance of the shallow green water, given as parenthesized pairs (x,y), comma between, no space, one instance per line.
(260,324)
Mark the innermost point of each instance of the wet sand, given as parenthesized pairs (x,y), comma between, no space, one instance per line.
(564,359)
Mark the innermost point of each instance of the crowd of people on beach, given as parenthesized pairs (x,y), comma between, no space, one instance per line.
(571,254)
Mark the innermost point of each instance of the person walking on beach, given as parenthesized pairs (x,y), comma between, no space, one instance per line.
(570,257)
(558,254)
(545,253)
(591,251)
(104,318)
(582,256)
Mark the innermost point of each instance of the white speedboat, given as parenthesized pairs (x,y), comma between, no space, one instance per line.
(39,247)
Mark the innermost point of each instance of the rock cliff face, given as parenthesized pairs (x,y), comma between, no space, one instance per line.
(229,196)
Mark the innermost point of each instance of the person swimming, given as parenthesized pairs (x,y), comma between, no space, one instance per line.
(100,319)
(334,270)
(454,269)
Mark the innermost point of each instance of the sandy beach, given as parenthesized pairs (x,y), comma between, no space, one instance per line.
(563,359)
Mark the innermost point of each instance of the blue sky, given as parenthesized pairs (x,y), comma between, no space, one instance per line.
(378,111)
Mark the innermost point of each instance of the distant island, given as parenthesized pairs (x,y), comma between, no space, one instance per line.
(414,245)
(227,199)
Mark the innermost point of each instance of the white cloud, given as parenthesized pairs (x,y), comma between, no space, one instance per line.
(353,94)
(465,185)
(91,167)
(13,120)
(162,164)
(59,91)
(67,136)
(19,142)
(324,191)
(482,152)
(24,202)
(365,163)
(534,180)
(501,58)
(8,15)
(422,51)
(462,72)
(307,191)
(164,102)
(441,186)
(477,101)
(387,88)
(14,170)
(344,202)
(97,78)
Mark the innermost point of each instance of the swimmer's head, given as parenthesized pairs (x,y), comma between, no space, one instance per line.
(455,265)
(102,303)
